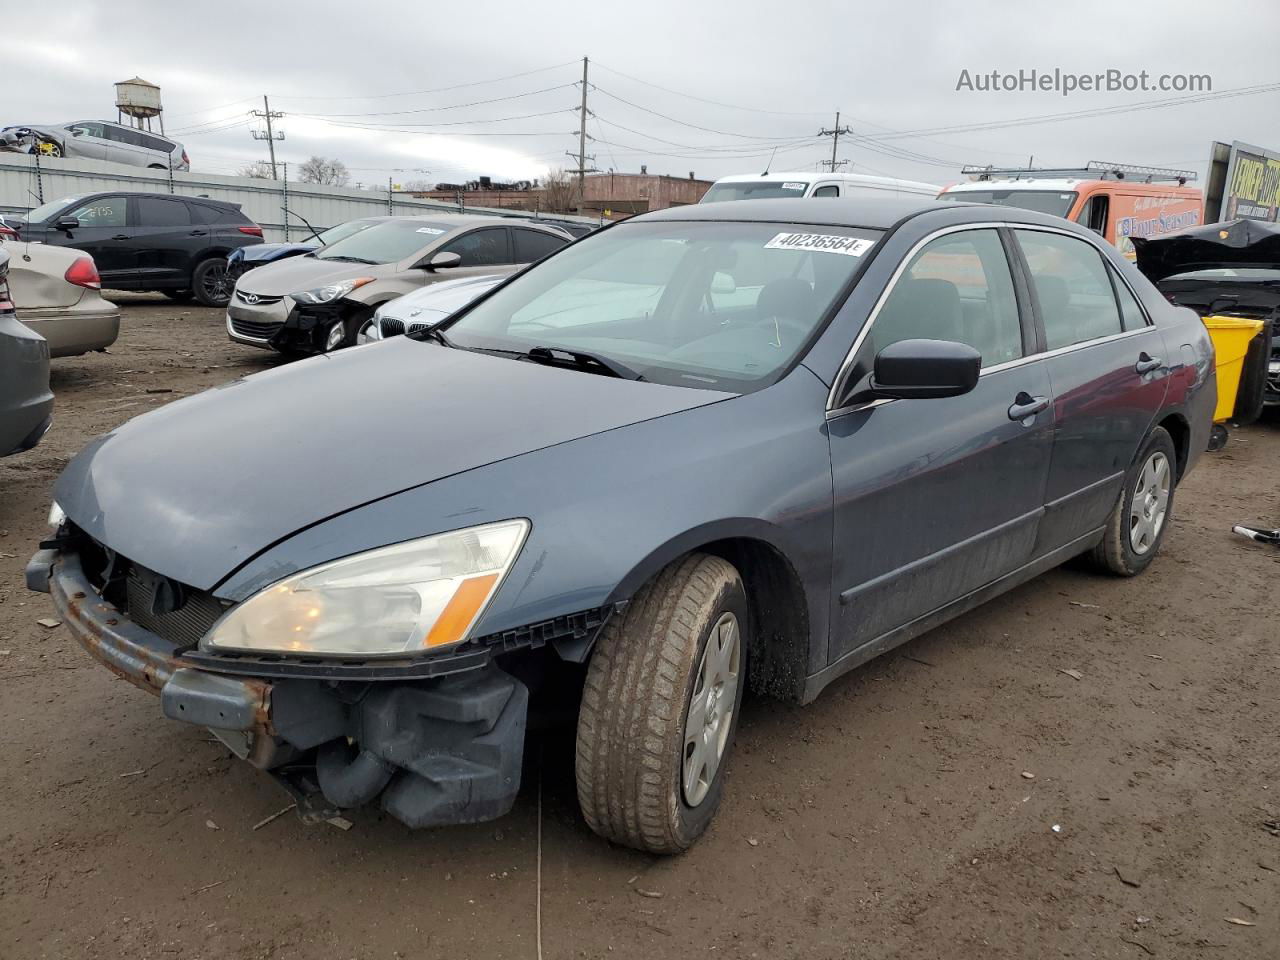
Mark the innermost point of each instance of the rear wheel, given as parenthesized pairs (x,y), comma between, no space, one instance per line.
(1138,523)
(660,707)
(179,296)
(211,282)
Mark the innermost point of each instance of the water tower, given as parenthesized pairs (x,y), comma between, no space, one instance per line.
(140,101)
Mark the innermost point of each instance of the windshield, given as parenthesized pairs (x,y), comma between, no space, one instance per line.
(385,242)
(721,306)
(755,190)
(343,230)
(1056,202)
(43,212)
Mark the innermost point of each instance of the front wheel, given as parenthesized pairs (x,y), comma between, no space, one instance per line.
(660,707)
(1137,525)
(211,283)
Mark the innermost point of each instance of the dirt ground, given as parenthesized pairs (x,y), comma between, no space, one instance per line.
(961,797)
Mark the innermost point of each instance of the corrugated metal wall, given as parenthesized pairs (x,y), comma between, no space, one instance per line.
(24,184)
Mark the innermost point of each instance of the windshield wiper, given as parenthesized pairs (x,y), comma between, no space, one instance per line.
(349,259)
(589,362)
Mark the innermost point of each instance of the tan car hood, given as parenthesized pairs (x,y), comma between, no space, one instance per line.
(296,274)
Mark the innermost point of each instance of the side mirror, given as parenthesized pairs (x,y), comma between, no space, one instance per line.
(723,283)
(924,369)
(66,223)
(444,260)
(77,131)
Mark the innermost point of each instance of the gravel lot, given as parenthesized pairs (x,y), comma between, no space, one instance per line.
(961,797)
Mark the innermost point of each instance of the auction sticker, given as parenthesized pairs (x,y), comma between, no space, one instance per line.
(795,185)
(431,230)
(823,242)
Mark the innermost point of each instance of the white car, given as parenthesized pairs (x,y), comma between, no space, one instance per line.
(97,140)
(57,293)
(766,186)
(425,308)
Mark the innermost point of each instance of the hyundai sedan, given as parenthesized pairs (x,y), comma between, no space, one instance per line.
(710,451)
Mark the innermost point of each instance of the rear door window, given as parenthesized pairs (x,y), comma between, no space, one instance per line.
(1073,290)
(159,212)
(533,245)
(481,248)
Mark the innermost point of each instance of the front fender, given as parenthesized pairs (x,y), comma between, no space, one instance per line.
(609,510)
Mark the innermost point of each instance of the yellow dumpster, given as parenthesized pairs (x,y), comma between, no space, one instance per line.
(1231,337)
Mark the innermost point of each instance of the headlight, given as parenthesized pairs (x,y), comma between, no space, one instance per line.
(57,516)
(408,598)
(330,292)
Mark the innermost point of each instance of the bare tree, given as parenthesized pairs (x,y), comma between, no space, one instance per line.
(259,170)
(559,192)
(419,186)
(319,170)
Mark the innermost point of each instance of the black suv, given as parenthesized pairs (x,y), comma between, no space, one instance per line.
(149,241)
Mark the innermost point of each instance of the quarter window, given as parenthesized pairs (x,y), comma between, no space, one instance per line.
(830,190)
(1131,313)
(1072,288)
(102,212)
(481,248)
(958,287)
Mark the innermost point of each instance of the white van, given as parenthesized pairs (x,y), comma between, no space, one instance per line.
(761,186)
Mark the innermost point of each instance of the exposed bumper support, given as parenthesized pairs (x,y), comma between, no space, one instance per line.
(146,660)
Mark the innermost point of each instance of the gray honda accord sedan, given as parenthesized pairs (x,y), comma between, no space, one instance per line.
(718,449)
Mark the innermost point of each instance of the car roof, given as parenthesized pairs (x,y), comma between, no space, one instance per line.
(811,177)
(873,213)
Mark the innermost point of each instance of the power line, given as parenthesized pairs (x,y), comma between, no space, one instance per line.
(1085,114)
(689,146)
(452,106)
(834,134)
(717,103)
(456,86)
(374,124)
(683,123)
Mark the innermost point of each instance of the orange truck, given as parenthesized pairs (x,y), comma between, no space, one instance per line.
(1117,201)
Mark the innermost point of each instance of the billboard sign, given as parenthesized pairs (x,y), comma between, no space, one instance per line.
(1251,187)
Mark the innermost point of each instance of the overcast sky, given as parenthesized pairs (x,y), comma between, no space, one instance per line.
(349,80)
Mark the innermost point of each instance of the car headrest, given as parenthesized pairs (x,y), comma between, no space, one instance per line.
(785,297)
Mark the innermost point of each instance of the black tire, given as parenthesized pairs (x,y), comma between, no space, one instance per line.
(211,282)
(1117,553)
(179,296)
(643,674)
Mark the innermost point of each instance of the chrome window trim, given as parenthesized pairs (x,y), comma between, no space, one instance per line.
(839,380)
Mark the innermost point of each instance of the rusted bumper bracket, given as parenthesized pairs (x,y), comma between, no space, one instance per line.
(147,661)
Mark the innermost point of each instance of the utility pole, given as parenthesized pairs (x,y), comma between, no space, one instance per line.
(834,134)
(271,137)
(582,137)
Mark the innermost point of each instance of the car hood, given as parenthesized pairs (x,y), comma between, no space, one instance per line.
(293,274)
(263,252)
(442,298)
(197,488)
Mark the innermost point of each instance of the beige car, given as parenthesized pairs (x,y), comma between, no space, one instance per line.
(322,300)
(57,293)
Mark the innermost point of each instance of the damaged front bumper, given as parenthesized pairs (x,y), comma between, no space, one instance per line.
(435,751)
(281,323)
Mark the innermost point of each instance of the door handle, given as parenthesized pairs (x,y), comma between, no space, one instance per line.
(1025,405)
(1147,363)
(120,236)
(197,233)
